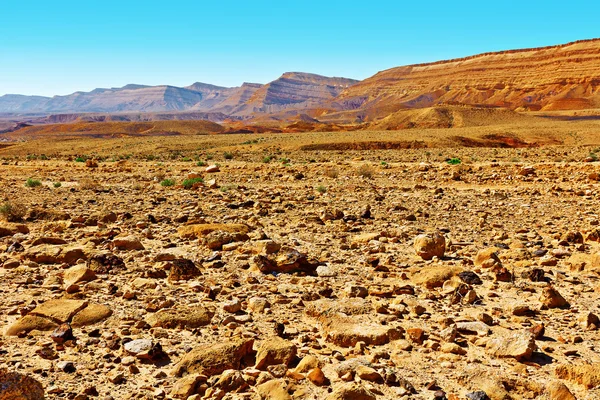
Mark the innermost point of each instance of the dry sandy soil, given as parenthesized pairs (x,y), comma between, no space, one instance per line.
(298,270)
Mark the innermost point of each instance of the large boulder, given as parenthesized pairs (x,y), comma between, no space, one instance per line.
(49,315)
(15,386)
(430,245)
(519,345)
(274,351)
(213,359)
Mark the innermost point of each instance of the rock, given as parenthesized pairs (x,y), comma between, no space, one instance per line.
(434,276)
(105,263)
(231,380)
(287,260)
(78,273)
(558,391)
(351,391)
(215,240)
(273,390)
(138,346)
(10,229)
(90,315)
(91,163)
(181,317)
(274,350)
(198,231)
(182,270)
(480,328)
(430,245)
(62,334)
(54,254)
(232,306)
(15,386)
(519,345)
(470,278)
(214,359)
(316,376)
(49,315)
(573,237)
(347,332)
(187,386)
(452,348)
(368,374)
(127,243)
(479,395)
(487,258)
(308,363)
(212,168)
(587,375)
(258,304)
(551,298)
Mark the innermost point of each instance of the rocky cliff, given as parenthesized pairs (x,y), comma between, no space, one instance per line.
(549,78)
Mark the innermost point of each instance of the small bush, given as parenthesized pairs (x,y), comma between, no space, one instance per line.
(454,161)
(210,156)
(201,163)
(332,172)
(44,157)
(186,159)
(321,189)
(57,184)
(366,171)
(267,159)
(167,182)
(81,159)
(227,156)
(12,212)
(188,183)
(31,183)
(89,184)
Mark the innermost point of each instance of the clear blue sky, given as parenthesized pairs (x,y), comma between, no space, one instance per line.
(57,47)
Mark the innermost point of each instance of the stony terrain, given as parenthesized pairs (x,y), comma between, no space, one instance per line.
(299,274)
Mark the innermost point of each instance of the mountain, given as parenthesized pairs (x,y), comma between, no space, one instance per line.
(564,77)
(294,91)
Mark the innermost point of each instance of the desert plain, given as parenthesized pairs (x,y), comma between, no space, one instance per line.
(437,263)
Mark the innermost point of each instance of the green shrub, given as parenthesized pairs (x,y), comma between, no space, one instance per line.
(33,183)
(454,161)
(167,182)
(188,183)
(321,189)
(267,159)
(81,159)
(57,184)
(227,156)
(186,159)
(44,157)
(201,163)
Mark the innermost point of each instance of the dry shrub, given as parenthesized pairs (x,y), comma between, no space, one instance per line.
(332,172)
(12,212)
(89,184)
(366,171)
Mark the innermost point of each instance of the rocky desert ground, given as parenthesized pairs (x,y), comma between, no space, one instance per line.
(278,267)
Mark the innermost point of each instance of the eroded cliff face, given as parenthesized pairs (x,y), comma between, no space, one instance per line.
(550,78)
(294,91)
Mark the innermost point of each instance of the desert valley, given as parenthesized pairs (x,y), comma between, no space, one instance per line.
(430,232)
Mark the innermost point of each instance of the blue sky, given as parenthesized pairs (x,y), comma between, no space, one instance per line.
(57,47)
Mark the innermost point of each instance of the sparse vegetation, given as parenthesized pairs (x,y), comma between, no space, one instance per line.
(81,159)
(227,188)
(365,171)
(89,184)
(31,183)
(57,184)
(267,159)
(454,161)
(167,182)
(321,189)
(332,172)
(201,163)
(12,212)
(228,156)
(190,182)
